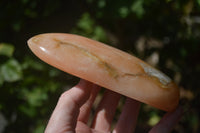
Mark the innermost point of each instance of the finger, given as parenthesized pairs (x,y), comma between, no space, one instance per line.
(167,123)
(128,118)
(64,117)
(105,111)
(86,108)
(83,128)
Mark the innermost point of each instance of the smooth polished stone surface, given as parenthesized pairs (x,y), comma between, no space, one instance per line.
(108,67)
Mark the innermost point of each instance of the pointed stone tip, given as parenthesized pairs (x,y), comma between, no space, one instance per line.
(29,43)
(34,41)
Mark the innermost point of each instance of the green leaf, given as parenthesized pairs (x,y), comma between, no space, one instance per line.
(137,8)
(99,34)
(29,111)
(123,11)
(154,120)
(86,23)
(11,71)
(31,63)
(54,72)
(52,86)
(1,79)
(35,97)
(198,1)
(101,3)
(6,49)
(40,128)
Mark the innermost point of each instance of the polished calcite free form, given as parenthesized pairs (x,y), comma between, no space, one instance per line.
(108,67)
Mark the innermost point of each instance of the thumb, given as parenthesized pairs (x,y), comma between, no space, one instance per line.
(64,117)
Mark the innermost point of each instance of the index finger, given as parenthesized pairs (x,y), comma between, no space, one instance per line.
(167,123)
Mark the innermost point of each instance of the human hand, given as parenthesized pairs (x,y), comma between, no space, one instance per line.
(73,110)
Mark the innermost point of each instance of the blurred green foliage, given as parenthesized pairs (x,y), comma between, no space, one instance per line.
(86,26)
(164,33)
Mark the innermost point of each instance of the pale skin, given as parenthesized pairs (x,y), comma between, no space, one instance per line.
(72,112)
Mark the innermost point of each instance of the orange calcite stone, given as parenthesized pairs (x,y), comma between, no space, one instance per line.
(108,67)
